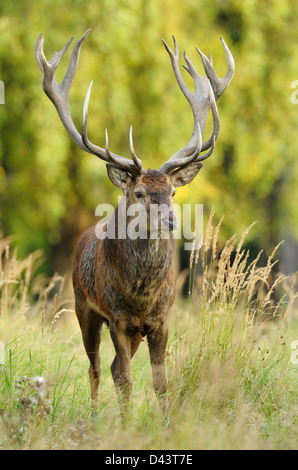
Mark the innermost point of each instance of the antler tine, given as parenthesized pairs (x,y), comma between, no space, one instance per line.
(175,64)
(136,160)
(89,146)
(59,95)
(108,153)
(105,154)
(219,84)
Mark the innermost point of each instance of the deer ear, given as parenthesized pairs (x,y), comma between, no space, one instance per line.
(118,176)
(185,175)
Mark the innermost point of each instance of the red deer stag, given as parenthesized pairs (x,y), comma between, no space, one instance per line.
(123,282)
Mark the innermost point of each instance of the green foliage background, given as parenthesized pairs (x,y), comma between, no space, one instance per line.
(49,188)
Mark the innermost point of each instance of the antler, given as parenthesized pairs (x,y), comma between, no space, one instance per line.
(207,90)
(59,95)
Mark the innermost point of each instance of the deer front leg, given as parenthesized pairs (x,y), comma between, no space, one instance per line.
(120,368)
(91,325)
(157,343)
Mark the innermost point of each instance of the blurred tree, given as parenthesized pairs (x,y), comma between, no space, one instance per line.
(49,188)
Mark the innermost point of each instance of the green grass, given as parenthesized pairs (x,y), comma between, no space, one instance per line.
(231,370)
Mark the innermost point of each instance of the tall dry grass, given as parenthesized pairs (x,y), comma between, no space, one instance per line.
(229,280)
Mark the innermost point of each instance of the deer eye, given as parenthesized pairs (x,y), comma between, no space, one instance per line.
(138,194)
(173,193)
